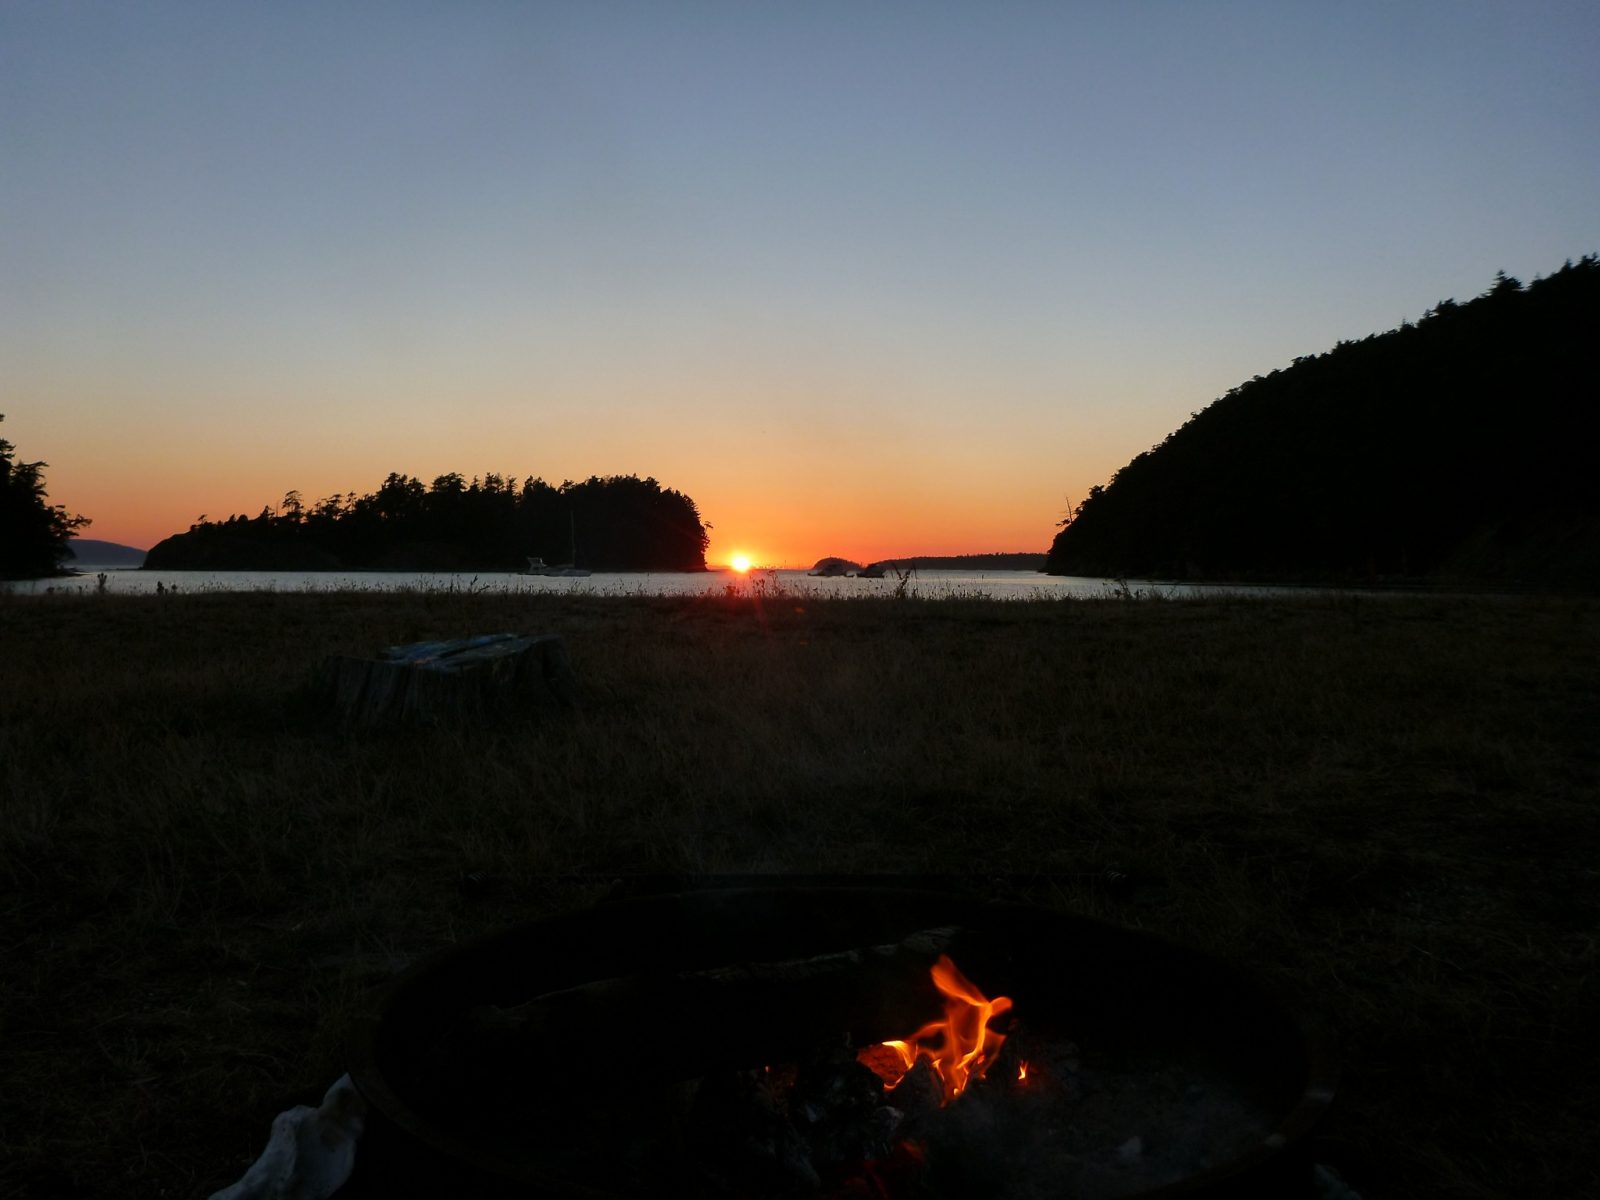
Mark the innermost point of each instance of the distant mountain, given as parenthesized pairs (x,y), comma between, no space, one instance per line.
(84,553)
(934,562)
(970,562)
(1460,449)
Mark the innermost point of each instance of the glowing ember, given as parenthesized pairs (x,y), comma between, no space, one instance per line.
(960,1045)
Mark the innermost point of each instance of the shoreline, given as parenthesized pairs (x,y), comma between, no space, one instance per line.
(1010,586)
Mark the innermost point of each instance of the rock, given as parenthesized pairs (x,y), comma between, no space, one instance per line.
(433,681)
(311,1151)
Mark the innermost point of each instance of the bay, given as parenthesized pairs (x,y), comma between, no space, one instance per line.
(932,584)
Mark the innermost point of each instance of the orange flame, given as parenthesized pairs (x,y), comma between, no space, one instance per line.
(960,1046)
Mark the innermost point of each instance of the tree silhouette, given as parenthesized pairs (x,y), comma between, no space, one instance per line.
(1459,447)
(488,523)
(33,532)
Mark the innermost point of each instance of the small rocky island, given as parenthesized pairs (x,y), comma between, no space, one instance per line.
(833,566)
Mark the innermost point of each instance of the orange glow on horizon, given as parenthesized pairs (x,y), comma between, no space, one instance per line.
(781,504)
(774,524)
(114,520)
(147,518)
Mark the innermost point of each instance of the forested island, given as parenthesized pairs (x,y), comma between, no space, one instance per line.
(615,523)
(1459,449)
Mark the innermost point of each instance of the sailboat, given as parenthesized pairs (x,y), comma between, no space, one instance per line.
(567,570)
(538,566)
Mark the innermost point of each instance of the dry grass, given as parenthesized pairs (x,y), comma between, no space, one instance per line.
(1387,806)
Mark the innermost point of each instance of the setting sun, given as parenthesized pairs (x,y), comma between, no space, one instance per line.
(740,562)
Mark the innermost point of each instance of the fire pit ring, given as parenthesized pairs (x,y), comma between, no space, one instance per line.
(1110,984)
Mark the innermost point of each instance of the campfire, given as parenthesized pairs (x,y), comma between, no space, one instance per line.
(960,1045)
(843,1123)
(827,1044)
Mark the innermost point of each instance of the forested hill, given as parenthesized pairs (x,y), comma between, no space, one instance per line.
(1458,449)
(618,523)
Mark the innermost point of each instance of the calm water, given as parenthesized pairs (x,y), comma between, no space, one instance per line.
(1004,585)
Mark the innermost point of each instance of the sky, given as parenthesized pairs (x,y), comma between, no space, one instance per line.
(866,279)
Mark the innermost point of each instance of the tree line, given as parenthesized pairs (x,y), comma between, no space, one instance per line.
(33,532)
(492,523)
(1459,447)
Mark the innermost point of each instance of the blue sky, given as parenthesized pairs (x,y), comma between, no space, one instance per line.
(860,278)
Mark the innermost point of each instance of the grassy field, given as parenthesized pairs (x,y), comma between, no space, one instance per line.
(1385,806)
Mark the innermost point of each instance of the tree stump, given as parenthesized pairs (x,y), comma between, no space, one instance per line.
(426,682)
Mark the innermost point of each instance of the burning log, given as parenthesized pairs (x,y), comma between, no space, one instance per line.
(960,1044)
(695,1021)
